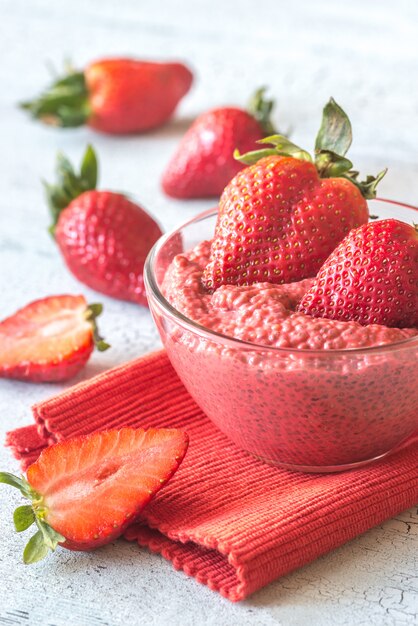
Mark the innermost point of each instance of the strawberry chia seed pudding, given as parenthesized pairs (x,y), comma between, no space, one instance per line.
(316,404)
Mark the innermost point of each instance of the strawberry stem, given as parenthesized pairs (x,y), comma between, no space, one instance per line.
(92,313)
(282,146)
(46,538)
(65,103)
(260,108)
(332,142)
(70,184)
(367,187)
(23,517)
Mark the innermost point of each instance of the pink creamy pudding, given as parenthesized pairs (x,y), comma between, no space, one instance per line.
(305,406)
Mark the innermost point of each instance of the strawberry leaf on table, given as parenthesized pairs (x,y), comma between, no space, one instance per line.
(23,517)
(85,491)
(35,549)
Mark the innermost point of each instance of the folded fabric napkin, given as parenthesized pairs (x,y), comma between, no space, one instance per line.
(229,520)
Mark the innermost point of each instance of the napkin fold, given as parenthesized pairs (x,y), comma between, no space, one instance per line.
(225,518)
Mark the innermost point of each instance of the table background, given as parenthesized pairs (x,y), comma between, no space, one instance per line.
(365,54)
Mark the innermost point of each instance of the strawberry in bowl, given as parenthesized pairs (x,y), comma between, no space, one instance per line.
(304,391)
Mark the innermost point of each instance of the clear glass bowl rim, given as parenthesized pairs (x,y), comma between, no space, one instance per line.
(169,311)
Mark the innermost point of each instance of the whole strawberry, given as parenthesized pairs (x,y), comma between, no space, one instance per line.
(370,278)
(50,339)
(114,96)
(103,236)
(85,491)
(281,217)
(204,163)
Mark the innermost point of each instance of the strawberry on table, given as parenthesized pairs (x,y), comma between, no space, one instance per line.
(281,217)
(85,491)
(370,278)
(114,96)
(204,163)
(103,236)
(49,339)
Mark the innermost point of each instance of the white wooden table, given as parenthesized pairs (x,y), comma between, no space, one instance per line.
(366,56)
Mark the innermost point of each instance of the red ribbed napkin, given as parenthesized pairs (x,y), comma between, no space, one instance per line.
(229,520)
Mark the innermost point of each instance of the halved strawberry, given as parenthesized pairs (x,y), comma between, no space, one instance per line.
(49,339)
(85,491)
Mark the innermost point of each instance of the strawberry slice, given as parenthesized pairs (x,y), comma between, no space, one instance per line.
(49,339)
(85,491)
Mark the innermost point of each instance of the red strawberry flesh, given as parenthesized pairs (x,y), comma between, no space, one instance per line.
(49,339)
(93,487)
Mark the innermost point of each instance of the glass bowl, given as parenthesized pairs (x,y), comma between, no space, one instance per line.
(308,410)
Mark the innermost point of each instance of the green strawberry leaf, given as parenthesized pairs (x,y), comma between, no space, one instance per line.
(23,517)
(18,483)
(282,146)
(92,313)
(50,537)
(335,134)
(89,169)
(331,165)
(285,147)
(46,538)
(249,158)
(95,310)
(35,549)
(260,108)
(368,186)
(332,143)
(65,103)
(68,181)
(70,184)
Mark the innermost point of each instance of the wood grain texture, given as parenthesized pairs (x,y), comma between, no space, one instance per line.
(366,56)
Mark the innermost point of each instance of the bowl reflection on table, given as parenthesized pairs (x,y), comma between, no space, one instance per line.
(312,410)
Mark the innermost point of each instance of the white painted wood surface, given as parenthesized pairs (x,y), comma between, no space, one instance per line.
(365,54)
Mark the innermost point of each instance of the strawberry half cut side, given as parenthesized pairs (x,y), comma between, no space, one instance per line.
(50,339)
(85,491)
